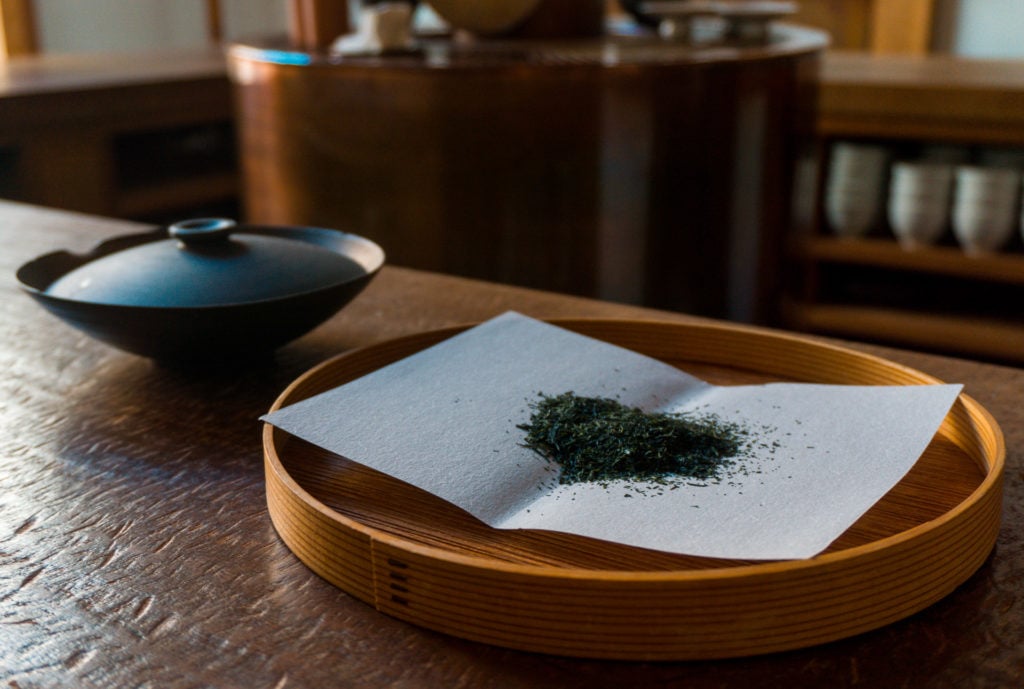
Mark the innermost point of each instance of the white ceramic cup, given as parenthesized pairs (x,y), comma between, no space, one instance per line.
(852,209)
(995,199)
(854,187)
(850,216)
(921,179)
(918,205)
(857,193)
(916,224)
(856,165)
(981,229)
(985,207)
(849,158)
(972,180)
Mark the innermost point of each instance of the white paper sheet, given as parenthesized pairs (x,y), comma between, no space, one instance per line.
(446,420)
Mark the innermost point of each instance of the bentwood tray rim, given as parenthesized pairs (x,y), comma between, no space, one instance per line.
(977,507)
(992,475)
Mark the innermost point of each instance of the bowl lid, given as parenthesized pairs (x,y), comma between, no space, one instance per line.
(214,262)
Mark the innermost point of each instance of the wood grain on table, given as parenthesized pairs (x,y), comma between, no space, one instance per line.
(136,549)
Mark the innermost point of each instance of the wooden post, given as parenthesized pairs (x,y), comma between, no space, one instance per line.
(901,26)
(214,21)
(17,28)
(878,26)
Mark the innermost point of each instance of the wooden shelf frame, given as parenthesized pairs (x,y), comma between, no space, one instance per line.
(887,253)
(982,337)
(936,99)
(170,195)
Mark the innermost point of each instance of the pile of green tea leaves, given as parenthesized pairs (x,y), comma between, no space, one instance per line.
(595,439)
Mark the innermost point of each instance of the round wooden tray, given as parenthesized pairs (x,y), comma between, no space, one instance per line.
(420,559)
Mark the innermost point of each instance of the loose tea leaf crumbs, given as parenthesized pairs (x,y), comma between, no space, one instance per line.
(596,439)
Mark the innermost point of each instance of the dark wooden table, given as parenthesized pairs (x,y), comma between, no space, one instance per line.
(136,549)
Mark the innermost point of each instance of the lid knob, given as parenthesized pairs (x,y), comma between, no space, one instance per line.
(201,230)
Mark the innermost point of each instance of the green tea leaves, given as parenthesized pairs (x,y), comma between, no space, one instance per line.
(597,439)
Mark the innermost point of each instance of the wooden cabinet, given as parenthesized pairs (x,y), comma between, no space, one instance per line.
(623,166)
(936,298)
(148,137)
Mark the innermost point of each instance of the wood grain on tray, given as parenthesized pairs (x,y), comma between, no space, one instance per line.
(418,558)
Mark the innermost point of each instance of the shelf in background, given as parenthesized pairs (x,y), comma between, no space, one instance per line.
(940,97)
(886,253)
(109,134)
(174,194)
(958,335)
(933,298)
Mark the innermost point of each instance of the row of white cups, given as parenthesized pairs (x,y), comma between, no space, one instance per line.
(981,203)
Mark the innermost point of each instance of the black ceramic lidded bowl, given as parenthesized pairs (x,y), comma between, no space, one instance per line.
(204,290)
